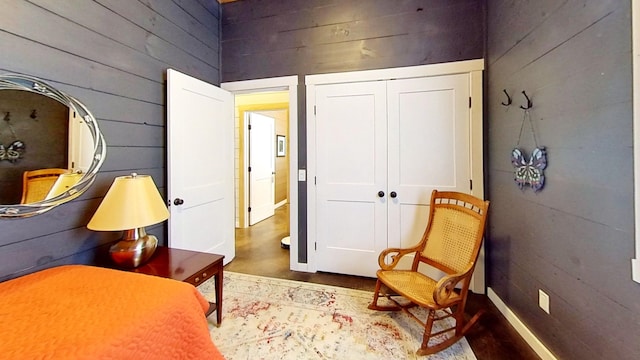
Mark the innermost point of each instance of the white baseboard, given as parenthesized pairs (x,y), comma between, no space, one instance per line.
(520,327)
(283,202)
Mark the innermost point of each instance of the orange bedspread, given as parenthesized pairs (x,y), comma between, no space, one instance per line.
(85,312)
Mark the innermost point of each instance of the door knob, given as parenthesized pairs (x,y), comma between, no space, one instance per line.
(393,194)
(178,201)
(380,193)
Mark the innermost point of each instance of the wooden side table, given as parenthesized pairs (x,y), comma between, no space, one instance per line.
(188,266)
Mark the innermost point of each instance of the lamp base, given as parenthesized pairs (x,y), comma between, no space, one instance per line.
(133,249)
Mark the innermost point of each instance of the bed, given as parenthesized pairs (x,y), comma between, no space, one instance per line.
(87,312)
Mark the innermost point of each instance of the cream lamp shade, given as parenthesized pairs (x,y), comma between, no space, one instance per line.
(131,203)
(64,183)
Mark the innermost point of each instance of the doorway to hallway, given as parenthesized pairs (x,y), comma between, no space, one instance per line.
(289,86)
(258,249)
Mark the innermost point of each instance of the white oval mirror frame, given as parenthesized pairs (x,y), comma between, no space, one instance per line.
(34,85)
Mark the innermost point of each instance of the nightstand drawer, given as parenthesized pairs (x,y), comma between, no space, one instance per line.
(201,276)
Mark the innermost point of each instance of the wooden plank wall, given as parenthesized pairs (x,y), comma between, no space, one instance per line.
(111,55)
(262,39)
(575,238)
(289,37)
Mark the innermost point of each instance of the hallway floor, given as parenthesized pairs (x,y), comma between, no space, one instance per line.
(258,252)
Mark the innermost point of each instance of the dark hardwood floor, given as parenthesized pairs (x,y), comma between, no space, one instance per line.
(258,252)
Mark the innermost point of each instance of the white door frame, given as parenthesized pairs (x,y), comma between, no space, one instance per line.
(473,67)
(290,84)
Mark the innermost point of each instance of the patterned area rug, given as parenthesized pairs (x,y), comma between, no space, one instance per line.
(267,318)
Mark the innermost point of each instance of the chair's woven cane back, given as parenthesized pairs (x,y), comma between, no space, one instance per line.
(453,238)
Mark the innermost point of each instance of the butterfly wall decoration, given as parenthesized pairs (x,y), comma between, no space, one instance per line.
(529,172)
(13,152)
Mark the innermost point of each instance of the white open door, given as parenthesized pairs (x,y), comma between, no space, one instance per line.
(262,167)
(200,166)
(80,144)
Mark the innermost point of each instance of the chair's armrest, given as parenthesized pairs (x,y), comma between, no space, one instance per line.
(446,286)
(396,254)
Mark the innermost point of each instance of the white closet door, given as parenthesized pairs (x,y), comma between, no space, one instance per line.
(428,149)
(351,152)
(403,138)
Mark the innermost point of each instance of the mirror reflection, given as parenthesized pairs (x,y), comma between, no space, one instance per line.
(50,146)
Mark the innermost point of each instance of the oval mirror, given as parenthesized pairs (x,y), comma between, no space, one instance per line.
(50,147)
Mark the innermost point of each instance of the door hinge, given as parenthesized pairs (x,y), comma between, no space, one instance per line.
(249,209)
(315,245)
(249,169)
(470,184)
(249,126)
(314,109)
(469,102)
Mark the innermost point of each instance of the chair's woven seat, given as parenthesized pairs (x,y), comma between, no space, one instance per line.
(415,286)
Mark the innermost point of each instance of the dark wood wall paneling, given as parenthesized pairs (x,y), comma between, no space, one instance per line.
(112,56)
(267,39)
(575,238)
(262,39)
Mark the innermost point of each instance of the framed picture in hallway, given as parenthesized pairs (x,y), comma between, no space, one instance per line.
(281,145)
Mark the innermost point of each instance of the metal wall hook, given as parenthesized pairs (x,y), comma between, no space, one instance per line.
(34,114)
(7,116)
(529,103)
(509,101)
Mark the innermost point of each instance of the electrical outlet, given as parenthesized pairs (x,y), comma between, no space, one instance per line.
(543,301)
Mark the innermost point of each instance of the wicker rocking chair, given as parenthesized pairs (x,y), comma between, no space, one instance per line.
(451,243)
(37,183)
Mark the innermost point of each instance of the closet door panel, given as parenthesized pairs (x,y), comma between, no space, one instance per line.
(351,170)
(428,148)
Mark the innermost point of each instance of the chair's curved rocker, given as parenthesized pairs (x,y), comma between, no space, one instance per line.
(451,243)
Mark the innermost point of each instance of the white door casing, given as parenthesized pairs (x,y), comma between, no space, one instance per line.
(200,166)
(262,165)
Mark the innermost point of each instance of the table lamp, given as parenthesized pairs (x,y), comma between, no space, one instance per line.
(64,183)
(131,203)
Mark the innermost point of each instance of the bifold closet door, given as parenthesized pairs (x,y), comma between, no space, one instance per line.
(428,148)
(381,148)
(351,155)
